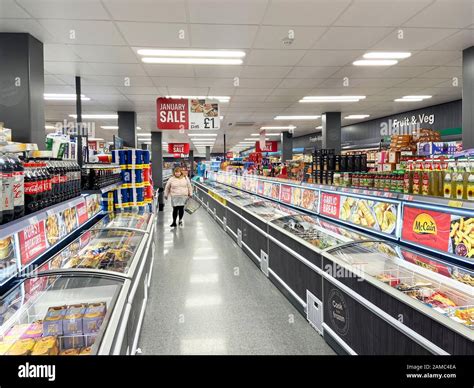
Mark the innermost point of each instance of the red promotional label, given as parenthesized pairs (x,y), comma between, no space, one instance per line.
(92,145)
(270,146)
(330,204)
(260,186)
(178,148)
(426,227)
(229,155)
(285,193)
(172,113)
(82,213)
(32,242)
(426,263)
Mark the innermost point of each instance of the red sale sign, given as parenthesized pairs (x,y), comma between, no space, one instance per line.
(330,204)
(270,146)
(172,113)
(285,193)
(426,227)
(82,213)
(260,187)
(426,263)
(32,242)
(178,148)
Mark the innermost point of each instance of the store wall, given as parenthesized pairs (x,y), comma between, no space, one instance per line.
(444,116)
(308,141)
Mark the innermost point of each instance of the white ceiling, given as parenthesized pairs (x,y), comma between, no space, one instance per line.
(329,36)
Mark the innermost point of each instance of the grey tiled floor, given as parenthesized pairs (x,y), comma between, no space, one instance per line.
(207,297)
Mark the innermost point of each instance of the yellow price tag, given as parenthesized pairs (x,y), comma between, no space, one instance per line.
(455,203)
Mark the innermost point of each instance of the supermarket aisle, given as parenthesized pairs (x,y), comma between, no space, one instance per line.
(207,297)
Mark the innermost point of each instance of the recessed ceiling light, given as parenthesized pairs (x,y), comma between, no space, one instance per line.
(201,134)
(319,127)
(109,126)
(97,116)
(375,62)
(139,128)
(249,138)
(279,128)
(353,117)
(63,97)
(192,61)
(408,99)
(422,97)
(332,98)
(191,53)
(315,117)
(267,134)
(386,55)
(49,127)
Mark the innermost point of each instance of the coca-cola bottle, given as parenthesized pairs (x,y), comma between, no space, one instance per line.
(31,189)
(41,184)
(47,185)
(18,186)
(8,213)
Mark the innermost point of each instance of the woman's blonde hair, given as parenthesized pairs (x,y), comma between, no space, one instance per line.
(177,169)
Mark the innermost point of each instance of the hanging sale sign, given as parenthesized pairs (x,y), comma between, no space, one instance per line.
(184,113)
(178,148)
(270,146)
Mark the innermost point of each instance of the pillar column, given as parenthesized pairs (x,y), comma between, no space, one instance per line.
(286,146)
(22,87)
(144,146)
(331,133)
(468,98)
(191,163)
(127,126)
(157,165)
(208,153)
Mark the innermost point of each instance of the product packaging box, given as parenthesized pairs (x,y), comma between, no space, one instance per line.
(72,323)
(394,156)
(389,167)
(53,321)
(34,331)
(73,342)
(93,317)
(16,332)
(90,339)
(425,149)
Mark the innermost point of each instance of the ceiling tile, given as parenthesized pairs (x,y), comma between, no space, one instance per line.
(85,31)
(351,37)
(110,54)
(304,12)
(431,58)
(215,71)
(312,72)
(248,98)
(177,82)
(59,52)
(252,92)
(330,57)
(67,68)
(379,13)
(126,70)
(289,99)
(271,37)
(457,41)
(26,25)
(270,57)
(291,92)
(171,11)
(99,90)
(406,71)
(289,83)
(413,39)
(264,71)
(222,36)
(442,72)
(9,9)
(108,80)
(60,9)
(51,80)
(158,35)
(59,89)
(445,13)
(259,82)
(221,91)
(188,91)
(227,11)
(169,70)
(421,82)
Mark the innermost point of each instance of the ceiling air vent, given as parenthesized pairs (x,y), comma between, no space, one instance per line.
(244,124)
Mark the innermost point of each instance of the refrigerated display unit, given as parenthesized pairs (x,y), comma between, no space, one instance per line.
(366,293)
(89,298)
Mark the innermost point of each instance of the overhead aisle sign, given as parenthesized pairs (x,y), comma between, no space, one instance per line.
(187,113)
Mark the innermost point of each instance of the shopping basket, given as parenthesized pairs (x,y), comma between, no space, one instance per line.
(191,206)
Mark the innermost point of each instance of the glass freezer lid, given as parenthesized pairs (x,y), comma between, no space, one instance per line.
(382,261)
(58,314)
(105,249)
(268,210)
(133,220)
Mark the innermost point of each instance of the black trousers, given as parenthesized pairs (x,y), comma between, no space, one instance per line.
(178,210)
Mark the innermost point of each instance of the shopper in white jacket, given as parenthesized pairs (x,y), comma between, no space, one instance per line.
(179,189)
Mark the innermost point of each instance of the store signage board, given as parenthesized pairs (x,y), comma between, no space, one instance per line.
(440,230)
(82,215)
(32,242)
(286,194)
(330,205)
(183,113)
(178,148)
(270,146)
(310,199)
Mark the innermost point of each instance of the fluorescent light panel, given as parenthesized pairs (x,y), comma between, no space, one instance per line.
(192,61)
(201,134)
(191,53)
(386,55)
(332,98)
(375,62)
(278,128)
(353,117)
(267,134)
(63,97)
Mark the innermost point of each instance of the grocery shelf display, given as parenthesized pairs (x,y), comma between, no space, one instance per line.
(354,278)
